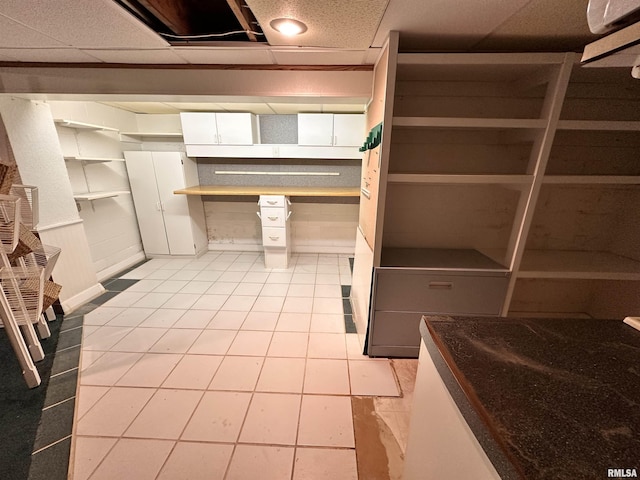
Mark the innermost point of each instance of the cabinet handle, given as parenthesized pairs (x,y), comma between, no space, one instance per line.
(274,238)
(288,215)
(272,202)
(259,216)
(273,219)
(441,285)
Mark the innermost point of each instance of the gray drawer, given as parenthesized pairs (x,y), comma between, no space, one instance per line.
(434,292)
(395,329)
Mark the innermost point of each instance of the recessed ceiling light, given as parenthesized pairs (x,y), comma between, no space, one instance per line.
(288,26)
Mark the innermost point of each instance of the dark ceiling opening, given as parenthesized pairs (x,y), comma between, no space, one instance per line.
(198,22)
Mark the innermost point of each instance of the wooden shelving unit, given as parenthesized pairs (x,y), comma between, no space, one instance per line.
(526,159)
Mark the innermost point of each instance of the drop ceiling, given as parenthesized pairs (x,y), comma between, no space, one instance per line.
(339,33)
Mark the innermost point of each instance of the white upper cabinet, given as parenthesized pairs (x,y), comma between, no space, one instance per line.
(315,129)
(205,128)
(199,128)
(237,128)
(348,129)
(329,129)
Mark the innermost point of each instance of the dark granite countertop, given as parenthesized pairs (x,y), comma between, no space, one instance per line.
(546,398)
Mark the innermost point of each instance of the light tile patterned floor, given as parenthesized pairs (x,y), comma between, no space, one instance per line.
(219,368)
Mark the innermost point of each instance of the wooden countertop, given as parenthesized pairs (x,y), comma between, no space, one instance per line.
(270,190)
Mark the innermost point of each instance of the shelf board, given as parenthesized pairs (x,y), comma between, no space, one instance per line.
(270,190)
(568,264)
(63,122)
(153,134)
(591,180)
(95,159)
(464,122)
(99,195)
(439,259)
(422,178)
(602,125)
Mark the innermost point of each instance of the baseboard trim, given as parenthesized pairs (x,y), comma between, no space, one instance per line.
(120,266)
(234,247)
(71,303)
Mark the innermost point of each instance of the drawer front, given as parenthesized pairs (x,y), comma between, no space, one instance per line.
(395,329)
(273,216)
(410,291)
(274,237)
(272,200)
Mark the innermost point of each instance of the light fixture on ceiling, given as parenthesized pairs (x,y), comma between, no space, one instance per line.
(288,26)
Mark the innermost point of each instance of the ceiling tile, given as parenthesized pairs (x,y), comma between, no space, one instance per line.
(6,58)
(143,107)
(443,24)
(257,108)
(95,23)
(289,108)
(60,55)
(13,34)
(346,108)
(543,25)
(330,23)
(306,57)
(220,56)
(196,107)
(164,56)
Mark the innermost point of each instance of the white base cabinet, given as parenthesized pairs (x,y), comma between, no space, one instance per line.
(276,232)
(169,224)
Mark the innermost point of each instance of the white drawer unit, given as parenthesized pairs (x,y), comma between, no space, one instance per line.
(272,201)
(274,237)
(273,216)
(276,234)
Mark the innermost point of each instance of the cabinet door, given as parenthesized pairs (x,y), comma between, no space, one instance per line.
(348,130)
(170,176)
(236,128)
(147,202)
(315,129)
(199,128)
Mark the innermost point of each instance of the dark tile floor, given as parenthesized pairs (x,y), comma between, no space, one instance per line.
(52,445)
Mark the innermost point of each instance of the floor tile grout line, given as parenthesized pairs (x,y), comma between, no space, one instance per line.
(237,330)
(48,407)
(51,445)
(64,372)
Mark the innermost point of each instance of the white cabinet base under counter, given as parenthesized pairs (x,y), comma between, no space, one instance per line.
(276,232)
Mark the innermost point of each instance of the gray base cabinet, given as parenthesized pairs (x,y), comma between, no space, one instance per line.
(400,297)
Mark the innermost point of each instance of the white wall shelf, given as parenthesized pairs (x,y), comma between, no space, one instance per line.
(99,195)
(63,122)
(94,159)
(153,134)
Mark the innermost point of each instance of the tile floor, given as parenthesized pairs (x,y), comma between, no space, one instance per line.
(219,368)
